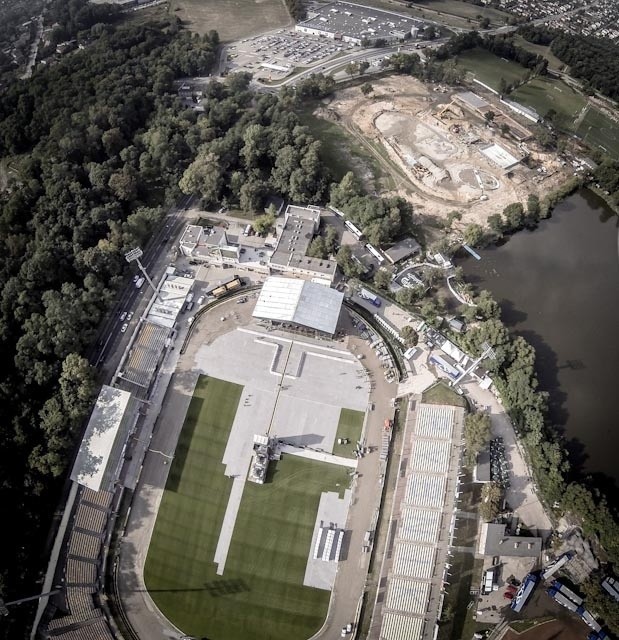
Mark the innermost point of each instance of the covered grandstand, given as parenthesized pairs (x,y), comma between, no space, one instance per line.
(288,301)
(418,528)
(100,453)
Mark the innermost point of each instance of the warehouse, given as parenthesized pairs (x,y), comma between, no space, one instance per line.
(356,24)
(297,303)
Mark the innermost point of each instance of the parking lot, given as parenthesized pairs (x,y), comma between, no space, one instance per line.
(275,55)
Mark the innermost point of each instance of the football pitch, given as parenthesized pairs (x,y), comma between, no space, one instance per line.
(261,593)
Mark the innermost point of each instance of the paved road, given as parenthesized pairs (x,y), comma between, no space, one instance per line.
(352,570)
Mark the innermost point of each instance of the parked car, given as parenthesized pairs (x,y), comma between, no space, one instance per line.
(200,300)
(124,328)
(123,315)
(129,316)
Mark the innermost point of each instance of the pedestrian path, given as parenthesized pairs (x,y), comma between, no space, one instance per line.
(320,456)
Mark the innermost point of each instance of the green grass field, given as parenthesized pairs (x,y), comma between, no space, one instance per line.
(489,69)
(440,393)
(547,93)
(349,426)
(260,595)
(600,131)
(232,19)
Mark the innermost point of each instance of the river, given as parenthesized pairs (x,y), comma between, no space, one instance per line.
(558,286)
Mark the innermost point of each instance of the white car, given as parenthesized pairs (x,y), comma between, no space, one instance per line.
(129,316)
(124,328)
(135,278)
(200,300)
(123,315)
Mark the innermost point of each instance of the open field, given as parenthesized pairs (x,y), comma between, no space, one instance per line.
(267,558)
(600,131)
(489,69)
(232,19)
(547,93)
(341,152)
(349,426)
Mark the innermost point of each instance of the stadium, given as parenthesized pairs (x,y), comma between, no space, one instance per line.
(243,460)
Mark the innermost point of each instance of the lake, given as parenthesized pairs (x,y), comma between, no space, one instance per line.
(558,287)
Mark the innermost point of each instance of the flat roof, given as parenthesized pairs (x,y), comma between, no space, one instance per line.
(102,444)
(495,542)
(357,21)
(299,301)
(500,156)
(402,250)
(472,100)
(170,300)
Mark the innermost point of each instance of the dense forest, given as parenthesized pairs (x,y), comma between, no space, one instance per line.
(594,61)
(96,143)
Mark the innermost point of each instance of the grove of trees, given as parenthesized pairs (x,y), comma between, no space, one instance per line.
(97,143)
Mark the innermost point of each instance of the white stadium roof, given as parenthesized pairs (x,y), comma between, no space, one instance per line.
(104,440)
(301,302)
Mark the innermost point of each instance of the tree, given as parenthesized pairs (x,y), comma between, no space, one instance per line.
(474,235)
(264,223)
(366,88)
(495,222)
(350,268)
(409,335)
(476,436)
(484,23)
(332,240)
(318,248)
(533,208)
(364,65)
(407,296)
(487,306)
(490,505)
(513,214)
(352,68)
(489,116)
(382,278)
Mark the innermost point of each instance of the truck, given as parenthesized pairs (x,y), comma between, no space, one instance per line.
(564,601)
(553,567)
(370,297)
(568,593)
(524,593)
(588,619)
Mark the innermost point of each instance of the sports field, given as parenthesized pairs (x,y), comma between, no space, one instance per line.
(600,131)
(349,426)
(547,93)
(489,69)
(260,595)
(232,19)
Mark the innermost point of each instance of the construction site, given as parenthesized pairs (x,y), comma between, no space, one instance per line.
(451,149)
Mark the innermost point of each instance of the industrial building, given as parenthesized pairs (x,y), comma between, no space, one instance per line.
(357,24)
(284,251)
(299,303)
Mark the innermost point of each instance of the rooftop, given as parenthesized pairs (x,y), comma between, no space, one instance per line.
(472,100)
(102,444)
(301,302)
(402,250)
(495,542)
(357,21)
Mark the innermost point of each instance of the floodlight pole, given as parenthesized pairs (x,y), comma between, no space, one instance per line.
(134,256)
(488,352)
(3,605)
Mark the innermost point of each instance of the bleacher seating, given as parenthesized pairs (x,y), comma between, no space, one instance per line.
(90,518)
(84,545)
(80,572)
(99,498)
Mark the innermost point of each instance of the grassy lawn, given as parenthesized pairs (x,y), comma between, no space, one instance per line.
(547,93)
(340,150)
(261,594)
(440,393)
(600,131)
(349,426)
(232,19)
(458,621)
(489,69)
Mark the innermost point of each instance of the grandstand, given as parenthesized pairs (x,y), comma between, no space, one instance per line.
(80,618)
(419,511)
(142,360)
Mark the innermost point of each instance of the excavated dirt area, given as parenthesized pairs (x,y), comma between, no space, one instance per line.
(432,147)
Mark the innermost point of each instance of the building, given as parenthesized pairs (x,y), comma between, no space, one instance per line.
(295,233)
(402,250)
(472,102)
(283,252)
(295,303)
(481,472)
(500,156)
(525,112)
(356,24)
(261,456)
(100,455)
(494,541)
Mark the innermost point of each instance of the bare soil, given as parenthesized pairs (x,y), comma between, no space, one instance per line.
(431,148)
